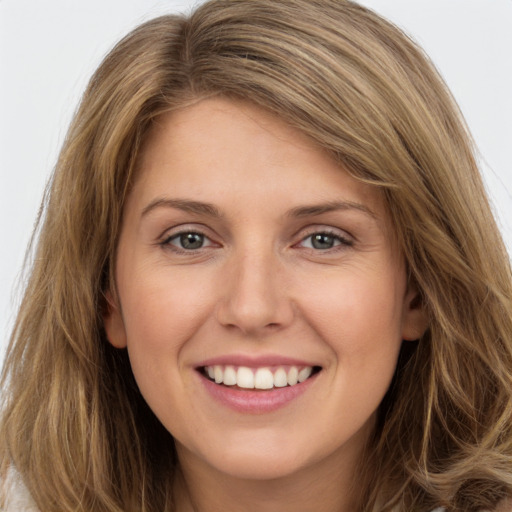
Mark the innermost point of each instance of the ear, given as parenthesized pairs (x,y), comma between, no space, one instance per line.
(414,316)
(113,322)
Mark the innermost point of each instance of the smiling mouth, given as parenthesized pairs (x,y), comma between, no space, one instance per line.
(264,378)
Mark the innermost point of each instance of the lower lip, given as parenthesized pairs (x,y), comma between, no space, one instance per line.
(255,401)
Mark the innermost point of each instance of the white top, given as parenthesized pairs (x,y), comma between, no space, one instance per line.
(18,497)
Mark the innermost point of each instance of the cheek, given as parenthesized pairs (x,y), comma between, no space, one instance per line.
(162,311)
(359,318)
(358,311)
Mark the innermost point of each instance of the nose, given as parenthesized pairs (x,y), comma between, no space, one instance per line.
(255,296)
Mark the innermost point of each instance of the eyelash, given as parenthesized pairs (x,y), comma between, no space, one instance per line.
(167,242)
(339,242)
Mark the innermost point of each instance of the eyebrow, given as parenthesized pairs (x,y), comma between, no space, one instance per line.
(208,209)
(330,206)
(186,205)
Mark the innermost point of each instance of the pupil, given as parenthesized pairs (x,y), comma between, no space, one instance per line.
(322,241)
(191,240)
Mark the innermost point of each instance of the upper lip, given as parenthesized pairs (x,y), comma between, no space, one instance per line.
(255,361)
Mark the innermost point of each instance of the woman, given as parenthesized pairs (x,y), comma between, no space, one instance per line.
(267,277)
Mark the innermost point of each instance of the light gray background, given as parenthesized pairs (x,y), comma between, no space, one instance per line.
(49,49)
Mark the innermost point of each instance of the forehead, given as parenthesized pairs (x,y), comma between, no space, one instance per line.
(219,149)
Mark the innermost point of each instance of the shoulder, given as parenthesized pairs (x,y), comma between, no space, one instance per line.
(17,497)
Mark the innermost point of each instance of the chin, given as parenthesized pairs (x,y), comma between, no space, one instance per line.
(260,467)
(251,457)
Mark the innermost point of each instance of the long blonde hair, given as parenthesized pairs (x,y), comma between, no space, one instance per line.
(74,424)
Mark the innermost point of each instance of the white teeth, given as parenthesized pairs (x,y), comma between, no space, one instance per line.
(293,376)
(280,379)
(260,378)
(304,373)
(245,378)
(263,379)
(229,376)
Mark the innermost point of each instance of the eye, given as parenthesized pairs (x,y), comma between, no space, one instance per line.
(187,241)
(324,241)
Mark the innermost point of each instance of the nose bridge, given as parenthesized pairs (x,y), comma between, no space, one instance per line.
(255,297)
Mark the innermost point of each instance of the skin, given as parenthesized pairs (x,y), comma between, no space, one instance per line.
(258,286)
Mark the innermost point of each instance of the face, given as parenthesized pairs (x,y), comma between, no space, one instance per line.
(260,295)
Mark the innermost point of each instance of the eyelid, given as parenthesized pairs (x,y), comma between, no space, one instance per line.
(187,227)
(329,230)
